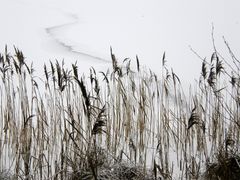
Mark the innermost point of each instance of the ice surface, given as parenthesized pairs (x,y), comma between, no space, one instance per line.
(83,31)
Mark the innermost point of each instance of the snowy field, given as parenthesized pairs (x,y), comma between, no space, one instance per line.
(83,31)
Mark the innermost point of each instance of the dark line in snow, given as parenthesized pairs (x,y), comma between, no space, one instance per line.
(50,32)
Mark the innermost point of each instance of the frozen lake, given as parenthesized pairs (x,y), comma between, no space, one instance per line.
(84,31)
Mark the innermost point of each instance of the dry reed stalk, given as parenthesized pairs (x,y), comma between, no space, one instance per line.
(139,118)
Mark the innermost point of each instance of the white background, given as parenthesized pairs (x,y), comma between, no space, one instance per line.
(83,31)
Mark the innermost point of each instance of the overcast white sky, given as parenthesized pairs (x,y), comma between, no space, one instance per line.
(41,28)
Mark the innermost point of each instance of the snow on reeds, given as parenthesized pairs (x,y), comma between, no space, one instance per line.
(126,123)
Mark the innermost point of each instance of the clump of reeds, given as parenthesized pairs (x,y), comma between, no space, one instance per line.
(125,123)
(226,166)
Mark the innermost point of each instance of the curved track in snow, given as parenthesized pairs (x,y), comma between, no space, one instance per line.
(51,31)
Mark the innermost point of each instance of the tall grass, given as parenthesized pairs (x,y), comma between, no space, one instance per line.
(124,123)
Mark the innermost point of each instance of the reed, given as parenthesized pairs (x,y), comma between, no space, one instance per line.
(125,123)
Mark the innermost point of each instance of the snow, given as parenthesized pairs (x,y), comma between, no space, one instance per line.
(83,31)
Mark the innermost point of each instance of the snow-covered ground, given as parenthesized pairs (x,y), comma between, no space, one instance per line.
(83,31)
